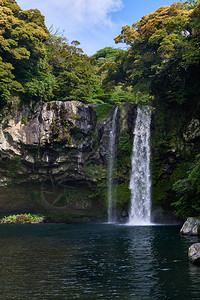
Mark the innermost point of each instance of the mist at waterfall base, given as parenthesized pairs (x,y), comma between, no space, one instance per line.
(96,261)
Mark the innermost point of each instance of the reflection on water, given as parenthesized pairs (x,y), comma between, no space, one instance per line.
(58,261)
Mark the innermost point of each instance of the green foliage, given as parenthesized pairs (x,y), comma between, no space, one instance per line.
(36,64)
(102,111)
(120,95)
(41,88)
(164,52)
(95,172)
(108,65)
(123,195)
(107,54)
(71,68)
(22,219)
(24,120)
(163,58)
(124,146)
(191,3)
(33,16)
(21,48)
(97,95)
(7,83)
(124,152)
(188,191)
(162,194)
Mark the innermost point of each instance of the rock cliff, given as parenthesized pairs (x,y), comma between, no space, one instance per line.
(175,137)
(54,157)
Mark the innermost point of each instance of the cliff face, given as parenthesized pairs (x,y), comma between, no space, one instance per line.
(175,149)
(55,157)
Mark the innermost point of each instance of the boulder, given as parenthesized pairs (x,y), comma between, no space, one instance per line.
(191,227)
(193,131)
(194,253)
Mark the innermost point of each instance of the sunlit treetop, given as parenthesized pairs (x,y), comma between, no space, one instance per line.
(12,4)
(21,34)
(34,16)
(164,18)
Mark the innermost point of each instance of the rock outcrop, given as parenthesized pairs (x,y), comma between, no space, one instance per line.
(55,155)
(191,227)
(194,253)
(175,145)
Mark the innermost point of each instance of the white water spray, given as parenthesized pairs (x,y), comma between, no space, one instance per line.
(111,160)
(140,181)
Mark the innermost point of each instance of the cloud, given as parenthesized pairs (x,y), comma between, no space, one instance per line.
(78,14)
(80,19)
(87,12)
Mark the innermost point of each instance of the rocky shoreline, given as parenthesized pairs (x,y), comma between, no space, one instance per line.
(192,228)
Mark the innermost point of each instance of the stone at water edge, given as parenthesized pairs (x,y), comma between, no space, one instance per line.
(191,226)
(194,253)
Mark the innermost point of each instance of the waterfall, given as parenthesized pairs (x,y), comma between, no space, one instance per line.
(140,181)
(111,161)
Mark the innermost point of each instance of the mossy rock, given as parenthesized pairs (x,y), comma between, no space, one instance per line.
(102,111)
(123,195)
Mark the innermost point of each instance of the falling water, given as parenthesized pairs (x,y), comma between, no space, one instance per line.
(111,160)
(140,182)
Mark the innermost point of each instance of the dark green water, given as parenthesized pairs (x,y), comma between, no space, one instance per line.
(58,261)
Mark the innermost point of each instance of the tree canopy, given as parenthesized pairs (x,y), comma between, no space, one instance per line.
(164,46)
(39,64)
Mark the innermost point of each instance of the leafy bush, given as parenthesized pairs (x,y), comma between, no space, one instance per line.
(188,192)
(22,219)
(102,111)
(41,88)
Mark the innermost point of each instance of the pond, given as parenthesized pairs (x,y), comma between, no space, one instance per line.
(96,261)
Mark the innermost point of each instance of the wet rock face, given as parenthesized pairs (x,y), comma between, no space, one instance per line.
(57,153)
(193,131)
(57,138)
(175,141)
(194,253)
(51,156)
(55,122)
(61,139)
(191,227)
(103,129)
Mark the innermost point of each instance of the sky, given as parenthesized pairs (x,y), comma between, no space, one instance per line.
(94,23)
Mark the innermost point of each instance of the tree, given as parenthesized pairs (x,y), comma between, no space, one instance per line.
(71,68)
(22,48)
(108,67)
(163,48)
(7,83)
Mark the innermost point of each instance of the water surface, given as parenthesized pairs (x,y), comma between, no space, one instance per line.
(59,261)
